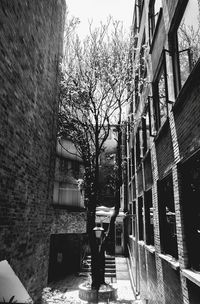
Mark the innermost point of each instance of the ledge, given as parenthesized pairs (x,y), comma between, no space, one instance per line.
(150,248)
(173,263)
(192,275)
(141,243)
(132,237)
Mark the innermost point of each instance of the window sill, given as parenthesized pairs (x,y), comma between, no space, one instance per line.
(150,248)
(192,275)
(172,261)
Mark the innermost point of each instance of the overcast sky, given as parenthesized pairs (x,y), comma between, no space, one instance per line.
(99,10)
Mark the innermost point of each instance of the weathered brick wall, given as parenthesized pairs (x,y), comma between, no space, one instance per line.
(172,286)
(68,222)
(30,45)
(143,272)
(151,277)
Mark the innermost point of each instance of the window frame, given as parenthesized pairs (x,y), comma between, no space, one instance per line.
(188,169)
(140,210)
(154,100)
(174,49)
(149,230)
(151,19)
(164,219)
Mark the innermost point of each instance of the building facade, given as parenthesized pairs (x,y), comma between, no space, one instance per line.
(163,151)
(31,38)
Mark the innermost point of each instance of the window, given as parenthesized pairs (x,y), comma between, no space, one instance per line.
(133,188)
(167,219)
(66,194)
(152,117)
(138,14)
(138,154)
(133,161)
(129,168)
(154,13)
(137,96)
(140,74)
(190,190)
(161,102)
(145,132)
(132,218)
(159,88)
(143,68)
(140,218)
(149,227)
(186,41)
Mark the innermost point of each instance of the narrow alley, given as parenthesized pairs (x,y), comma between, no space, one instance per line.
(66,290)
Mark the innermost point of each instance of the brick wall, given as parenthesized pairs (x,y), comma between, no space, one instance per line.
(30,45)
(179,139)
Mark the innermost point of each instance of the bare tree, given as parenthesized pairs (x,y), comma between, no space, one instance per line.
(94,88)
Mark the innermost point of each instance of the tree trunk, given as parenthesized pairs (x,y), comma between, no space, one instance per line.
(110,238)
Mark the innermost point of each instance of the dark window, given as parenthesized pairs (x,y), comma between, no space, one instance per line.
(186,41)
(75,168)
(138,14)
(130,193)
(140,218)
(137,96)
(138,154)
(133,188)
(149,227)
(148,179)
(129,168)
(133,161)
(190,176)
(154,11)
(132,218)
(167,217)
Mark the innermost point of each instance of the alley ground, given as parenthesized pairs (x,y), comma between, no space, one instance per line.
(66,291)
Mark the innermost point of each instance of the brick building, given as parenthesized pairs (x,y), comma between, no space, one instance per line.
(31,35)
(163,151)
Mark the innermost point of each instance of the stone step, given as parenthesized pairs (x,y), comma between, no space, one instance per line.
(108,259)
(110,266)
(88,263)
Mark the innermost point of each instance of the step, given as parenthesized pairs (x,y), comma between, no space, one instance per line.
(88,264)
(110,266)
(109,260)
(106,270)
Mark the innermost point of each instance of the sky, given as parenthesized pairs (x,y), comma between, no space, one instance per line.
(99,10)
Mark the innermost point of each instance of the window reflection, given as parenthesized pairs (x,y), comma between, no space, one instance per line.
(188,36)
(162,98)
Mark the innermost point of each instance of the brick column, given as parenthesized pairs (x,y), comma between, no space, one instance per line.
(160,282)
